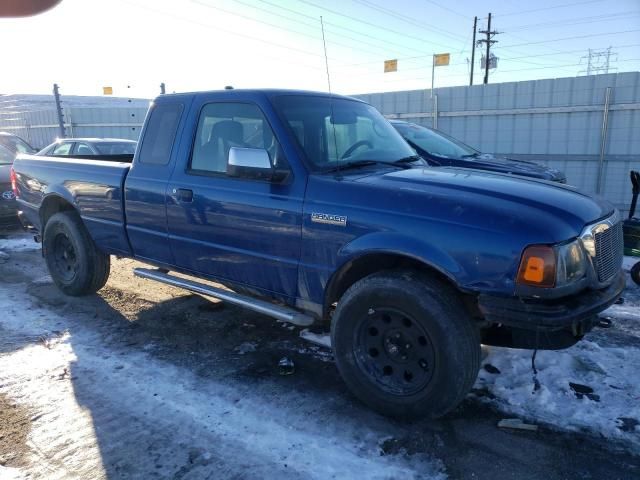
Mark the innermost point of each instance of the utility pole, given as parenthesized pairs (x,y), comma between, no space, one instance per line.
(473,49)
(56,96)
(489,33)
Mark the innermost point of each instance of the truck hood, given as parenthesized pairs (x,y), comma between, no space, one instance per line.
(499,202)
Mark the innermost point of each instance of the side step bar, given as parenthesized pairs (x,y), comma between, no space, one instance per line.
(276,311)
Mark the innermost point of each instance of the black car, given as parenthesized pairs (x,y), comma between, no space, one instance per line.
(81,147)
(15,144)
(439,149)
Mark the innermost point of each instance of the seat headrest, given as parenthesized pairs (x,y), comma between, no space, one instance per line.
(229,130)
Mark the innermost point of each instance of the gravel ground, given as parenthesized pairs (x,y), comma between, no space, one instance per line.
(146,381)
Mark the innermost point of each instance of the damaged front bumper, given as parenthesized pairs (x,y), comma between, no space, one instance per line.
(545,324)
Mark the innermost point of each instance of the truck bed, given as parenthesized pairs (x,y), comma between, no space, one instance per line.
(94,187)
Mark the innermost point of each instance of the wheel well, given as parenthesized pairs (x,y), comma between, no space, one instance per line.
(51,206)
(365,265)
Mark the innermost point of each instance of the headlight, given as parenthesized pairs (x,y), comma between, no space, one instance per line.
(552,266)
(572,265)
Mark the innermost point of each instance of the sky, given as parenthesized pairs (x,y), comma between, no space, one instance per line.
(134,45)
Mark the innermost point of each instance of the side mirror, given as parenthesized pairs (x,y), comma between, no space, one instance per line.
(253,163)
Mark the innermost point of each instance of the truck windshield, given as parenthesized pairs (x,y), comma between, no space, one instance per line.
(435,142)
(332,130)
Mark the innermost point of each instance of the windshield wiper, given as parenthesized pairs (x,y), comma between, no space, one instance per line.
(405,160)
(365,163)
(473,155)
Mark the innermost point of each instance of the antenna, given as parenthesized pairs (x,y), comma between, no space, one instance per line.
(333,127)
(326,59)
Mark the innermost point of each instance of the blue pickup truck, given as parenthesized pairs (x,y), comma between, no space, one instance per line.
(311,208)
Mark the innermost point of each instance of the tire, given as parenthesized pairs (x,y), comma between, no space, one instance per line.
(635,273)
(75,264)
(405,345)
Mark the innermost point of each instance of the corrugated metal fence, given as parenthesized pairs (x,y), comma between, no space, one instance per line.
(40,128)
(566,123)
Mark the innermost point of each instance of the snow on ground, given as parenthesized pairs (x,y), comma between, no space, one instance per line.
(8,473)
(18,244)
(318,339)
(90,401)
(611,370)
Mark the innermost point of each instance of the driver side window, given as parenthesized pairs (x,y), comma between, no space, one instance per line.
(225,125)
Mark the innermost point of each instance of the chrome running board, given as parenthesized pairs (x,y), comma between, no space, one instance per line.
(279,312)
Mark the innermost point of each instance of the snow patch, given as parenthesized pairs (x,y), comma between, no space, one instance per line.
(20,244)
(318,339)
(612,373)
(8,473)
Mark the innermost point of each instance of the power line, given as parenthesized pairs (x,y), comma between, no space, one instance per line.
(522,12)
(572,38)
(370,24)
(407,19)
(448,9)
(333,32)
(576,21)
(232,32)
(229,12)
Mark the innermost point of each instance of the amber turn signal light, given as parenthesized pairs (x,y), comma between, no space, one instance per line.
(538,267)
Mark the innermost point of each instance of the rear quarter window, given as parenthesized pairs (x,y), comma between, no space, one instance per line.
(160,133)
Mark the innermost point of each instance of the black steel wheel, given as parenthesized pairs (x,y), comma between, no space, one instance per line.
(65,260)
(395,351)
(405,345)
(75,264)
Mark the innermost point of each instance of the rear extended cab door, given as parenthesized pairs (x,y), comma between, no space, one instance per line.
(146,184)
(238,230)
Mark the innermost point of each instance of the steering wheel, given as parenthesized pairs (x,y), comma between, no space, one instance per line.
(352,148)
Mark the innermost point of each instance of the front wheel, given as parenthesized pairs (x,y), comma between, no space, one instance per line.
(75,264)
(404,344)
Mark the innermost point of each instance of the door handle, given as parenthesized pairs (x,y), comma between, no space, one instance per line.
(183,194)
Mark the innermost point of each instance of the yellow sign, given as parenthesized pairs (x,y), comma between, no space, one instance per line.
(441,59)
(107,90)
(390,66)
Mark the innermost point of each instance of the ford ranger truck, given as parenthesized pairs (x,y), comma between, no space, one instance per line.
(312,209)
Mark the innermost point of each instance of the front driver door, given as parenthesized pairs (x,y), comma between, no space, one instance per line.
(235,229)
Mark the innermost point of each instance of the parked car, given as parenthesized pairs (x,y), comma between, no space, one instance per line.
(8,205)
(15,144)
(81,147)
(440,149)
(312,209)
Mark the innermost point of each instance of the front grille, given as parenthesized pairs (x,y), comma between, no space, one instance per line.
(609,249)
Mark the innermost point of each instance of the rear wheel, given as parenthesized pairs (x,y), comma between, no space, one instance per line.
(75,264)
(405,345)
(635,273)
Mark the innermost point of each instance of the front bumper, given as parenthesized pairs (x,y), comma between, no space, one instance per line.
(553,315)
